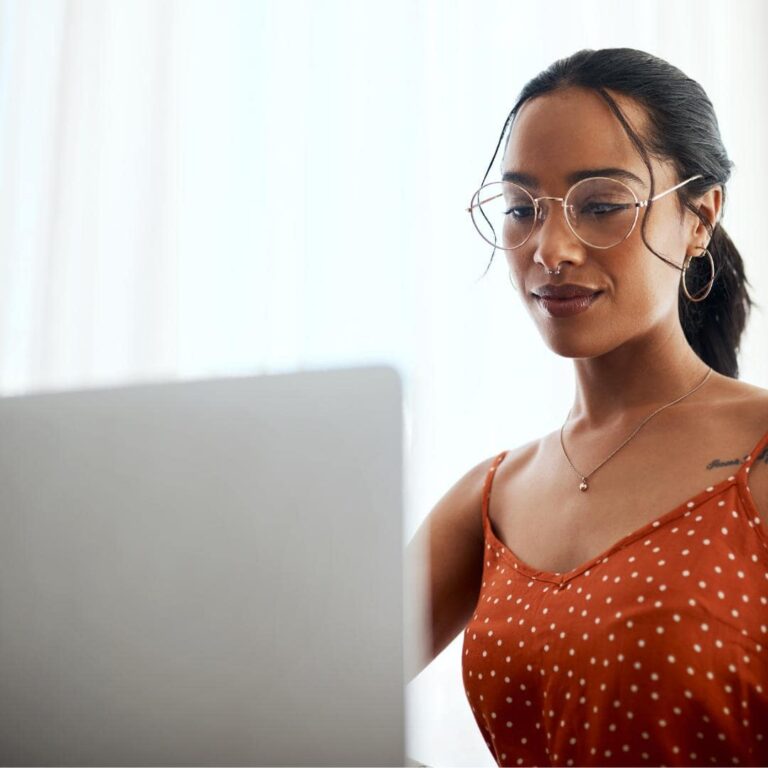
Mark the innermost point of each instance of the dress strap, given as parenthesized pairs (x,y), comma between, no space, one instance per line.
(757,452)
(488,481)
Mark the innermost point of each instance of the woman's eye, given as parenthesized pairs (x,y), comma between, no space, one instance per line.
(520,212)
(602,208)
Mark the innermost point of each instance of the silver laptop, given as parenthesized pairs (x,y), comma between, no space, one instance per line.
(204,572)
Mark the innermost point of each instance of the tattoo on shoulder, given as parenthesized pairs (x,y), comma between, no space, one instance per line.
(717,463)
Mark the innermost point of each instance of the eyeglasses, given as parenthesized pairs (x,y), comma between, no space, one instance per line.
(600,211)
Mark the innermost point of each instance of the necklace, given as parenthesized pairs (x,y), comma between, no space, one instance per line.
(583,486)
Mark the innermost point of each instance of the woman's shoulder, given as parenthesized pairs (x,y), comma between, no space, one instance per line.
(747,391)
(517,458)
(753,414)
(743,404)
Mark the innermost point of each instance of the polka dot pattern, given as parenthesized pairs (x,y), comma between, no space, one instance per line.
(655,652)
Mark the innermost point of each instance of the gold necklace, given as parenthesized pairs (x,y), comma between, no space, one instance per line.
(583,485)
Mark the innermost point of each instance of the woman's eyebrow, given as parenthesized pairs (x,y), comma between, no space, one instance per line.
(527,180)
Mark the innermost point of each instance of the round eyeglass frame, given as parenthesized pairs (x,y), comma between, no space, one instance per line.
(475,203)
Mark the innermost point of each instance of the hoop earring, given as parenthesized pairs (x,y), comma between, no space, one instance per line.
(509,275)
(711,282)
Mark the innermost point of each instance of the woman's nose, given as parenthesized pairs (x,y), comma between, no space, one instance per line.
(554,239)
(552,221)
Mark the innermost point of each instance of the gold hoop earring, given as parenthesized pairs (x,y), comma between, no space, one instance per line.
(711,282)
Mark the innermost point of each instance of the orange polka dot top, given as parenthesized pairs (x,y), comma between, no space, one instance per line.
(653,653)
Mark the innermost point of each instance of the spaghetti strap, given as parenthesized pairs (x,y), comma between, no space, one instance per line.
(754,454)
(487,486)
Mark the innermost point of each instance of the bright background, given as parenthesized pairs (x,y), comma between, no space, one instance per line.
(200,188)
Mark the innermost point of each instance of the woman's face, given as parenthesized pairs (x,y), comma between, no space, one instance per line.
(571,130)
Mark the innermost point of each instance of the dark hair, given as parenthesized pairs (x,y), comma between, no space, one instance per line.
(682,128)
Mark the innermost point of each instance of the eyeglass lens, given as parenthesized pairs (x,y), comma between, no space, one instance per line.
(601,212)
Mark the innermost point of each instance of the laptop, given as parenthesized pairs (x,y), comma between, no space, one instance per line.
(204,572)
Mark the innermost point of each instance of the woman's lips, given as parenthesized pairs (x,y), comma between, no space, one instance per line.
(567,307)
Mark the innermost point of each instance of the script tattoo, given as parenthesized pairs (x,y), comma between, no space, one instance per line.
(715,463)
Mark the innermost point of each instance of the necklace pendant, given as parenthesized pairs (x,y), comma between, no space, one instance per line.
(583,485)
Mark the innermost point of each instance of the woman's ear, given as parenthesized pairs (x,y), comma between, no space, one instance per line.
(710,206)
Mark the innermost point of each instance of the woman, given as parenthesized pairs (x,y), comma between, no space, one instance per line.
(613,588)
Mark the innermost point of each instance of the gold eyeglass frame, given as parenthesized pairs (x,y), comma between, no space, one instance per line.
(537,209)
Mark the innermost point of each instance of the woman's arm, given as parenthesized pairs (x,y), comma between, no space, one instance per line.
(443,570)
